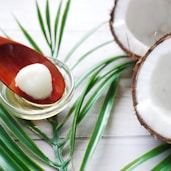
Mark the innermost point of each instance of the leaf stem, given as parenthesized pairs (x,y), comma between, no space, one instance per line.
(34,128)
(56,145)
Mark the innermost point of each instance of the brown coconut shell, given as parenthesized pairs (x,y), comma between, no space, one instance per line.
(131,54)
(137,68)
(139,65)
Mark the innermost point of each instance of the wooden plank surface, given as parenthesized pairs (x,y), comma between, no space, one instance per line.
(124,138)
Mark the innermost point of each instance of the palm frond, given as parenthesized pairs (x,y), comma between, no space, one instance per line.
(48,23)
(93,81)
(22,136)
(82,40)
(28,37)
(15,152)
(102,64)
(5,34)
(42,24)
(90,52)
(101,123)
(78,117)
(56,24)
(62,25)
(104,81)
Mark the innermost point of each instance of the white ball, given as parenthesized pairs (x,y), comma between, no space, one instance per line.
(35,80)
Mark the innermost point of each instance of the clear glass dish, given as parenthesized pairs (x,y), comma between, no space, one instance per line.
(24,109)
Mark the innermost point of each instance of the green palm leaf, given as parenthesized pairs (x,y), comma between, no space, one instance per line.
(7,162)
(28,37)
(102,64)
(147,156)
(101,123)
(42,24)
(105,80)
(12,149)
(56,24)
(78,115)
(48,23)
(62,25)
(6,35)
(19,133)
(82,40)
(164,165)
(34,128)
(90,52)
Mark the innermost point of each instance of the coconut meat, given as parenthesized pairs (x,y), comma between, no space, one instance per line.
(153,90)
(138,24)
(35,80)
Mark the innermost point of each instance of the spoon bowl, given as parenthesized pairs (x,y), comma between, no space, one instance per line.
(22,108)
(14,56)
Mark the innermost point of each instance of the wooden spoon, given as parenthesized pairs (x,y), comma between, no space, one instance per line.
(14,56)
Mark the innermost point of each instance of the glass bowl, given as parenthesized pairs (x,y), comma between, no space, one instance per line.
(24,109)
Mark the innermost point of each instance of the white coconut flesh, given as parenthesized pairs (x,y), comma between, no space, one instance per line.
(138,24)
(152,90)
(35,80)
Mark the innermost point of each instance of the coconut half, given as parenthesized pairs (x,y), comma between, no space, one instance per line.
(152,89)
(137,24)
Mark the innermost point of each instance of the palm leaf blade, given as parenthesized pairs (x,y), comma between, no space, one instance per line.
(100,124)
(77,112)
(48,19)
(42,25)
(62,26)
(19,133)
(101,64)
(147,156)
(15,152)
(99,90)
(93,73)
(56,24)
(83,39)
(37,131)
(7,162)
(6,35)
(78,115)
(164,165)
(48,22)
(89,52)
(28,37)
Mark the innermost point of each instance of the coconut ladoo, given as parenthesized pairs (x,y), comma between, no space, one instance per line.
(35,80)
(137,25)
(152,91)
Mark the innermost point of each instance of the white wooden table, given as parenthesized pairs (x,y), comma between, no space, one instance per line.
(124,139)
